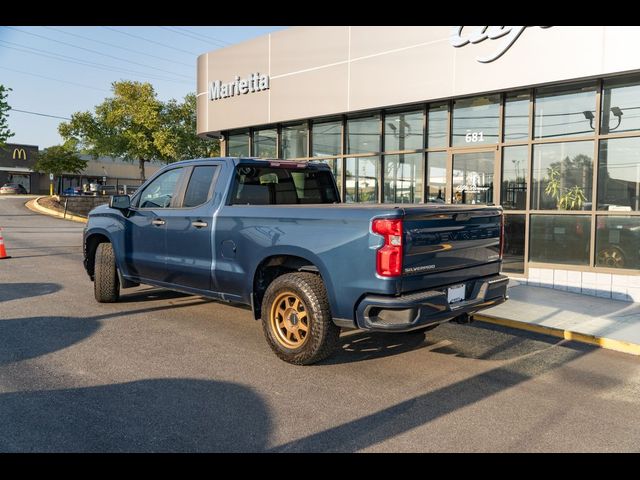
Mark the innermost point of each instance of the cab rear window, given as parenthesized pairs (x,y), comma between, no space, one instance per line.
(283,186)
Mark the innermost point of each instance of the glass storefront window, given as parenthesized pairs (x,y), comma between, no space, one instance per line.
(516,117)
(619,174)
(361,178)
(513,258)
(326,139)
(565,112)
(403,178)
(618,242)
(363,135)
(294,140)
(437,126)
(621,105)
(264,143)
(473,177)
(476,121)
(238,145)
(336,168)
(562,239)
(562,176)
(436,177)
(404,131)
(515,166)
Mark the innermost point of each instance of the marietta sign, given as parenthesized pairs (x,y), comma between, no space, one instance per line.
(510,34)
(253,83)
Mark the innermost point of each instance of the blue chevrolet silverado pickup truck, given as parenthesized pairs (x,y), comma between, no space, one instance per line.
(274,235)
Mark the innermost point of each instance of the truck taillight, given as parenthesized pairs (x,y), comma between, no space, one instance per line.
(389,256)
(501,235)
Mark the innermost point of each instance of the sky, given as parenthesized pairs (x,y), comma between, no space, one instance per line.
(57,71)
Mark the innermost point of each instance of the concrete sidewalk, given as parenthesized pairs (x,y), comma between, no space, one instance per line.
(608,323)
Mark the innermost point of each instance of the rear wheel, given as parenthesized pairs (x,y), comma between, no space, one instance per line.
(106,286)
(296,319)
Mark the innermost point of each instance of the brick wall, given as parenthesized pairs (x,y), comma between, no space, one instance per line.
(83,204)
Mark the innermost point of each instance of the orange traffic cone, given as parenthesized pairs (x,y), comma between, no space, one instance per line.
(3,251)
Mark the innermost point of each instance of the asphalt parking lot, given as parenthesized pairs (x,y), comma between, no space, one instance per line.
(162,371)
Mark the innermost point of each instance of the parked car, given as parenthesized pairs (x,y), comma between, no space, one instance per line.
(273,235)
(72,191)
(12,188)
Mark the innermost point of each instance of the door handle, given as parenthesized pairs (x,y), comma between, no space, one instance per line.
(199,224)
(158,222)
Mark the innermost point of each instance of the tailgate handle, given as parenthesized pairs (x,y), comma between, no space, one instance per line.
(199,224)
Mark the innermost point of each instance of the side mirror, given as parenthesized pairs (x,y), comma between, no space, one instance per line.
(121,202)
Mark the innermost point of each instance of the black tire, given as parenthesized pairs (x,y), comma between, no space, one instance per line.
(106,286)
(322,334)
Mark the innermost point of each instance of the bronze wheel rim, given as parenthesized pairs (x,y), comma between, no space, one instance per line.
(289,320)
(610,257)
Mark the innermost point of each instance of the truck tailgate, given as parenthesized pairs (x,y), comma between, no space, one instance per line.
(447,238)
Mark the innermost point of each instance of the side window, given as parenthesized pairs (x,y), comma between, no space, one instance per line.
(158,194)
(199,186)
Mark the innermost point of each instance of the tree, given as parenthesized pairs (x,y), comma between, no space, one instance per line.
(127,125)
(177,139)
(59,159)
(5,133)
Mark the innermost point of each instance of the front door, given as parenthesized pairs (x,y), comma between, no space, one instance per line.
(474,177)
(145,231)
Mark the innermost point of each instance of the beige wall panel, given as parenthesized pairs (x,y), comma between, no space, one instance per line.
(239,111)
(309,94)
(538,56)
(621,48)
(372,40)
(201,113)
(242,59)
(201,74)
(301,48)
(415,74)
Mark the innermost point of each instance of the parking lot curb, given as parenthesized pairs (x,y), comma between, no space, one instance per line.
(608,343)
(34,206)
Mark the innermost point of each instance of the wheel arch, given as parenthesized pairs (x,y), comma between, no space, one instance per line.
(278,264)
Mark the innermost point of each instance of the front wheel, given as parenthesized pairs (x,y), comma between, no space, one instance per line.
(296,319)
(106,286)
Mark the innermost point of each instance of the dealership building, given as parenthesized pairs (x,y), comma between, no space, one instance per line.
(544,121)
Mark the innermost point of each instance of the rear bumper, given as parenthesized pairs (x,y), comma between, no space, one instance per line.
(420,309)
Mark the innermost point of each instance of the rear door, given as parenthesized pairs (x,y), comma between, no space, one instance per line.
(443,238)
(190,230)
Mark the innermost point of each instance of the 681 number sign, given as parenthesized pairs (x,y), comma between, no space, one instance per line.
(474,137)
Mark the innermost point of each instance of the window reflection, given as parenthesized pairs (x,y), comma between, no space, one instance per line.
(621,105)
(515,165)
(361,178)
(238,145)
(404,131)
(476,121)
(436,177)
(560,239)
(619,175)
(437,126)
(403,178)
(562,176)
(326,138)
(294,141)
(363,134)
(565,112)
(513,258)
(516,117)
(618,242)
(264,143)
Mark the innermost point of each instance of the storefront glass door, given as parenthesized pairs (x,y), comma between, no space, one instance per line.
(473,177)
